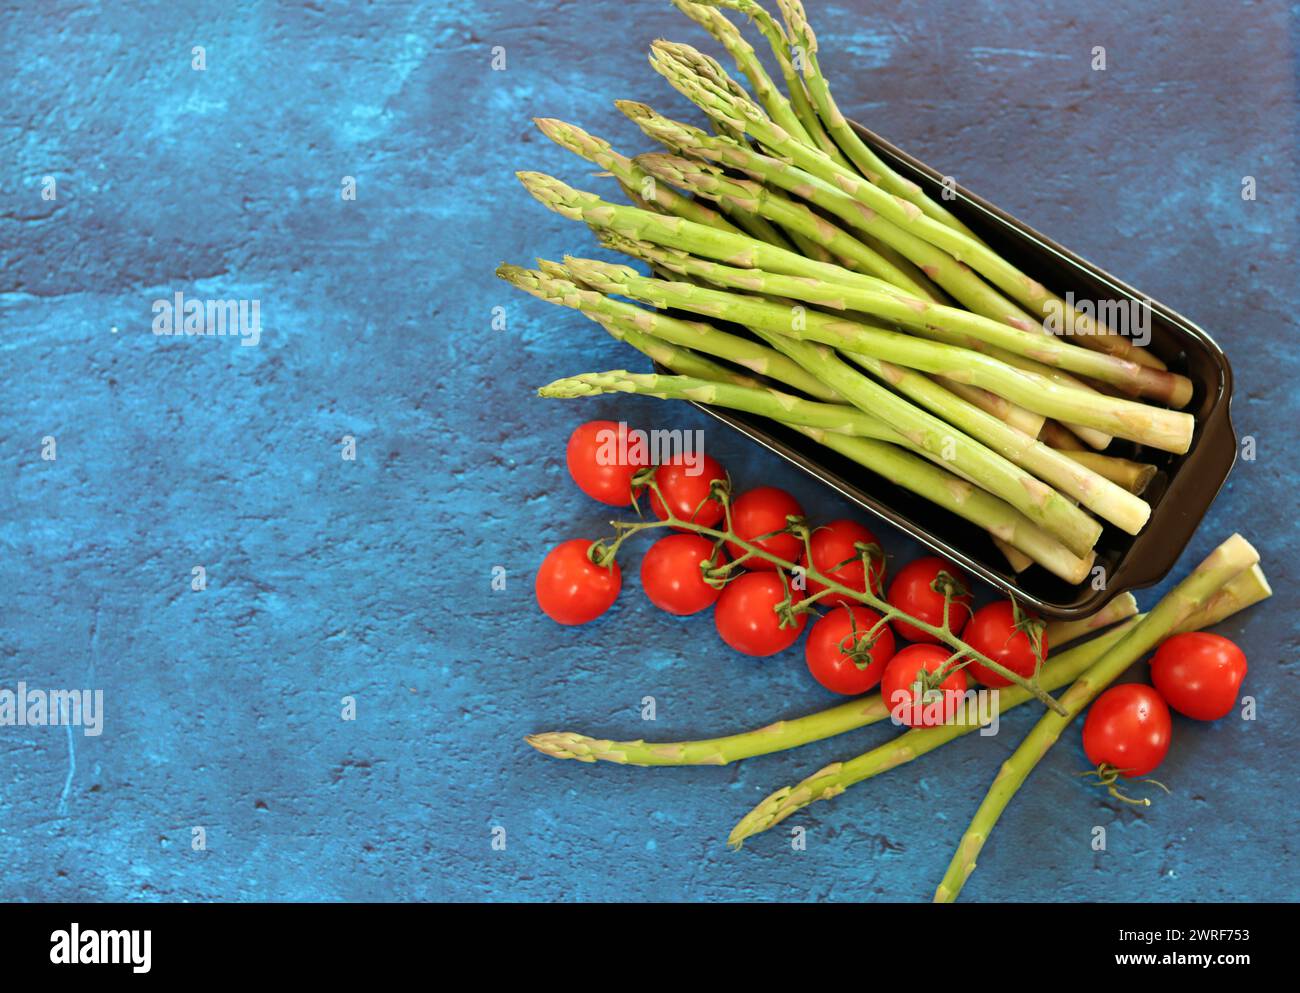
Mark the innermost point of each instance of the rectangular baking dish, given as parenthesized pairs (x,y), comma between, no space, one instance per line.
(1180,494)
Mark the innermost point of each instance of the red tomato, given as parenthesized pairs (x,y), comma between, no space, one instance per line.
(847,628)
(898,687)
(993,632)
(671,575)
(761,511)
(746,615)
(913,592)
(602,462)
(1199,674)
(572,589)
(1128,728)
(686,493)
(834,544)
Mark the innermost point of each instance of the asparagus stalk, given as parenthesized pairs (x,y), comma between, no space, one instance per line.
(1230,560)
(690,334)
(868,162)
(1164,429)
(1025,421)
(680,360)
(632,176)
(1121,608)
(860,712)
(952,325)
(1250,587)
(764,230)
(1133,476)
(772,99)
(680,65)
(754,198)
(771,403)
(1060,437)
(1017,559)
(799,99)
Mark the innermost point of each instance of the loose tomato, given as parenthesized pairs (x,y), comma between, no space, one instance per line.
(1128,729)
(839,655)
(993,631)
(759,512)
(602,462)
(687,490)
(672,574)
(1199,674)
(900,686)
(835,556)
(572,589)
(746,615)
(917,590)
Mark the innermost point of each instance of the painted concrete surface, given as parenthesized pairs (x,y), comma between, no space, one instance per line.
(371,578)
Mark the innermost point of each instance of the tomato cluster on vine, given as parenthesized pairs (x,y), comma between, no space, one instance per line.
(756,602)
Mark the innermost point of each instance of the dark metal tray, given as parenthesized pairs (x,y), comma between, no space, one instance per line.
(1180,494)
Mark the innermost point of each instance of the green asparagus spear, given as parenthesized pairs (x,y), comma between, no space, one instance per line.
(794,83)
(716,23)
(690,334)
(868,162)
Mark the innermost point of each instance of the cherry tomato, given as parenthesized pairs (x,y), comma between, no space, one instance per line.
(847,628)
(1199,674)
(1128,728)
(602,462)
(899,687)
(992,631)
(834,544)
(687,493)
(671,575)
(572,589)
(913,592)
(746,615)
(761,511)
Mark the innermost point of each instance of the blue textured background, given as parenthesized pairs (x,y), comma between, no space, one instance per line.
(371,578)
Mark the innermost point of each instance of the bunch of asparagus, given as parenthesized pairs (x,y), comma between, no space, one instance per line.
(834,296)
